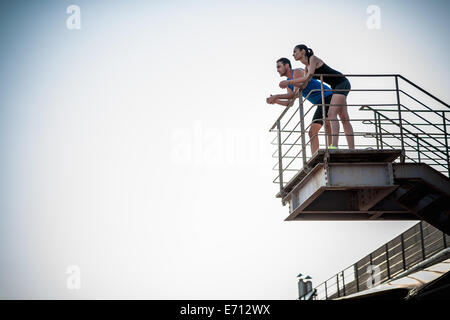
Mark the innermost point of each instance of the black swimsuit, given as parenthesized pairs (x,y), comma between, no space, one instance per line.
(341,83)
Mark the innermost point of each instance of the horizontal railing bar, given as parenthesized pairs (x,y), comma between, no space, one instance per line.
(363,108)
(429,136)
(387,123)
(411,97)
(424,91)
(285,110)
(418,115)
(421,139)
(289,120)
(413,147)
(365,75)
(356,75)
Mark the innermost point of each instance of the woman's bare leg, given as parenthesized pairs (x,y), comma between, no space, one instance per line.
(313,136)
(337,101)
(328,133)
(348,129)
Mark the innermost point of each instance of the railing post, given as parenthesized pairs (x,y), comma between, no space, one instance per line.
(402,157)
(324,113)
(376,129)
(343,281)
(326,291)
(418,148)
(446,142)
(371,267)
(403,251)
(387,261)
(337,285)
(280,156)
(381,134)
(421,240)
(302,128)
(356,276)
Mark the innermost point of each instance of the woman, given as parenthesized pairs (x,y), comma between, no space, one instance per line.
(284,68)
(315,65)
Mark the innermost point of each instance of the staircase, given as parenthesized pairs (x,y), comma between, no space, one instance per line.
(425,192)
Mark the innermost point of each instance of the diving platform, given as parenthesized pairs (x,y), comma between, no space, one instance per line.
(341,156)
(367,185)
(398,169)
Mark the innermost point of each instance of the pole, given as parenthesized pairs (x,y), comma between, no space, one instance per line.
(402,157)
(280,156)
(323,112)
(302,128)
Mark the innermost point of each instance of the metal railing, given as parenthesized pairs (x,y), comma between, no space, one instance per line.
(413,246)
(387,111)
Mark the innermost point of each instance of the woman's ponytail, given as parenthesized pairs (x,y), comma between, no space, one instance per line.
(309,52)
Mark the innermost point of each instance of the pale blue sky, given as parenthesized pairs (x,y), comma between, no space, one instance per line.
(93,122)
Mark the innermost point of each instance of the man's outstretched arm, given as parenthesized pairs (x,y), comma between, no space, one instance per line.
(289,95)
(285,102)
(282,102)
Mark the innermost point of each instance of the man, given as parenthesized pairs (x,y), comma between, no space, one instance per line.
(284,68)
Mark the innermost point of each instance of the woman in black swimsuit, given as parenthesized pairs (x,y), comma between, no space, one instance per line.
(315,65)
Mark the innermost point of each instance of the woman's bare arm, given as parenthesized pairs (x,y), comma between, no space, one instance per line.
(298,75)
(307,75)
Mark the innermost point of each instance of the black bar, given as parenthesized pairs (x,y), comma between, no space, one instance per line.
(357,277)
(426,92)
(418,111)
(376,129)
(379,130)
(430,145)
(446,142)
(357,75)
(387,261)
(371,268)
(343,282)
(337,284)
(403,252)
(280,156)
(402,157)
(418,148)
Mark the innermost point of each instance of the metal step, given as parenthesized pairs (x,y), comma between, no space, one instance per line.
(425,192)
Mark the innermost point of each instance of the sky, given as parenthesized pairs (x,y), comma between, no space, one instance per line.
(136,149)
